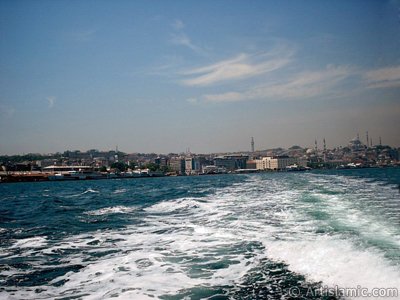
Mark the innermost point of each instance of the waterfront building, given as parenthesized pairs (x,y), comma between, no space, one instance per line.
(194,165)
(279,162)
(212,169)
(251,164)
(47,162)
(189,165)
(224,162)
(231,162)
(177,165)
(161,161)
(61,169)
(77,155)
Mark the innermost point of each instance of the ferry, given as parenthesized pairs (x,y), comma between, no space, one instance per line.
(296,168)
(72,173)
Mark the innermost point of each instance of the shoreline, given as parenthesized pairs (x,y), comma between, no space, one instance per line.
(41,177)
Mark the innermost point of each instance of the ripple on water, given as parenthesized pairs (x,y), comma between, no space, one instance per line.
(256,236)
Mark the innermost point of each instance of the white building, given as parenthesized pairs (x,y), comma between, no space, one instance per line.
(279,162)
(189,165)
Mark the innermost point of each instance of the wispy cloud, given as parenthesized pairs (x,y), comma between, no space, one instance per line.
(383,78)
(240,67)
(302,85)
(178,24)
(167,66)
(51,100)
(180,38)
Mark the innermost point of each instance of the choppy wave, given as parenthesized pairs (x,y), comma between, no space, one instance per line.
(327,229)
(87,191)
(29,243)
(111,210)
(120,191)
(337,262)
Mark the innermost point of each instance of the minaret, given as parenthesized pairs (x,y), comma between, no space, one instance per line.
(380,141)
(371,142)
(367,139)
(116,153)
(324,150)
(316,146)
(252,144)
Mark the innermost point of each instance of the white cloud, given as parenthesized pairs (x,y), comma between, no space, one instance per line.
(240,67)
(383,78)
(51,100)
(180,38)
(303,85)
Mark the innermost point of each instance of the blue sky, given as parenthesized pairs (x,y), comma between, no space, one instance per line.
(164,76)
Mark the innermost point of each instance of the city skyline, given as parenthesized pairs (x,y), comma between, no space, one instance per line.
(320,144)
(160,77)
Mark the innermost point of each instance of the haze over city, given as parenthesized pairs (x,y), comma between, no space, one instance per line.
(164,76)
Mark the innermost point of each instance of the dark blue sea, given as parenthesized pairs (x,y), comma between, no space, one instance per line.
(249,236)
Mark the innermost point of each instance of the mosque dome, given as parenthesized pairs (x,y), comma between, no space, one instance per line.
(310,151)
(356,144)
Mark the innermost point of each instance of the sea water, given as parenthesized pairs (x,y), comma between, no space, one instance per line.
(249,236)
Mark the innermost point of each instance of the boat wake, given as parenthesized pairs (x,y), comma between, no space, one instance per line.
(270,231)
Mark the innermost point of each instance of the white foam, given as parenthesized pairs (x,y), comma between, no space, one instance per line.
(120,191)
(176,205)
(336,263)
(89,190)
(34,242)
(111,210)
(178,237)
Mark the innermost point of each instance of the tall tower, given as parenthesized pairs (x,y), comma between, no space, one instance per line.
(367,139)
(116,154)
(324,150)
(316,146)
(380,141)
(252,144)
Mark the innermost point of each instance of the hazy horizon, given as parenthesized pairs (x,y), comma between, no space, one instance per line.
(188,150)
(161,77)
